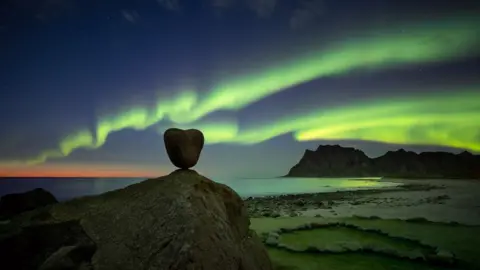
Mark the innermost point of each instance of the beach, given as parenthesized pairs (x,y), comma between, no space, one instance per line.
(434,200)
(421,224)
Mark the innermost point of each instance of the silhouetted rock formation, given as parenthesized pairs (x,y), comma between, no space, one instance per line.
(183,146)
(337,161)
(76,257)
(62,245)
(179,221)
(13,204)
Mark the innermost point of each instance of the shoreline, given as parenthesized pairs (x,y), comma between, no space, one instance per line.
(294,204)
(437,200)
(386,177)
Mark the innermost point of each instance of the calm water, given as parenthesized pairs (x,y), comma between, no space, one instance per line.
(67,188)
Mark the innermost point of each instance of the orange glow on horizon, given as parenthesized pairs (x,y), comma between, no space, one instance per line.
(82,170)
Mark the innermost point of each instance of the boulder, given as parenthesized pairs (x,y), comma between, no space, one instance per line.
(179,221)
(30,246)
(70,258)
(183,146)
(444,257)
(272,239)
(14,204)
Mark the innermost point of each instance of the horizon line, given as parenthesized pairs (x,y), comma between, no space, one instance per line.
(79,176)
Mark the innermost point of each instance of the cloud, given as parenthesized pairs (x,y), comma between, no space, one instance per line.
(131,16)
(173,5)
(263,8)
(306,14)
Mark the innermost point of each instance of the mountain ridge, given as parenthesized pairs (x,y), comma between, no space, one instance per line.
(338,161)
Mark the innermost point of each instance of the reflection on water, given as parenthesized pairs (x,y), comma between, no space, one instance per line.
(67,188)
(276,186)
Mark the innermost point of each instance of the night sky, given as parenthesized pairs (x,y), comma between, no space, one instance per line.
(87,87)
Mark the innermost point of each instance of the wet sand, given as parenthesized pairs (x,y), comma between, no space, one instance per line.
(434,200)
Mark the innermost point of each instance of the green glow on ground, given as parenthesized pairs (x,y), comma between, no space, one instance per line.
(422,121)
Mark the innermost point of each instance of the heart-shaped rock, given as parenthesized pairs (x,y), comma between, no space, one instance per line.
(183,146)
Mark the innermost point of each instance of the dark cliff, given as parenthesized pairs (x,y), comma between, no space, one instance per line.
(337,161)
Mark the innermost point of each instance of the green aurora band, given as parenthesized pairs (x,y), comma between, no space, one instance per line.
(442,119)
(385,121)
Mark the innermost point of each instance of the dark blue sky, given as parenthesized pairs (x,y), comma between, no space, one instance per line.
(66,63)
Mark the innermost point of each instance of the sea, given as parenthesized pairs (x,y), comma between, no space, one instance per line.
(68,188)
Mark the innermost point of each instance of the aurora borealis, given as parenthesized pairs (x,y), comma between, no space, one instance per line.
(408,81)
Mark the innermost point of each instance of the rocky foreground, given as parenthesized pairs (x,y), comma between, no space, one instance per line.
(337,161)
(179,221)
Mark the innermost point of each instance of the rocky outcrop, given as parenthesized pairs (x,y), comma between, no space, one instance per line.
(13,204)
(179,221)
(337,161)
(332,160)
(61,245)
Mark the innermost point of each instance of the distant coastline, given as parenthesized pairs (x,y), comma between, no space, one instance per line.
(386,178)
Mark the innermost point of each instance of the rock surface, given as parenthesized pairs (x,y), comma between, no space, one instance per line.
(179,221)
(13,204)
(30,246)
(183,146)
(70,258)
(337,161)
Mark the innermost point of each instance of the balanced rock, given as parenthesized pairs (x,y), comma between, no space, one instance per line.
(13,204)
(183,146)
(179,221)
